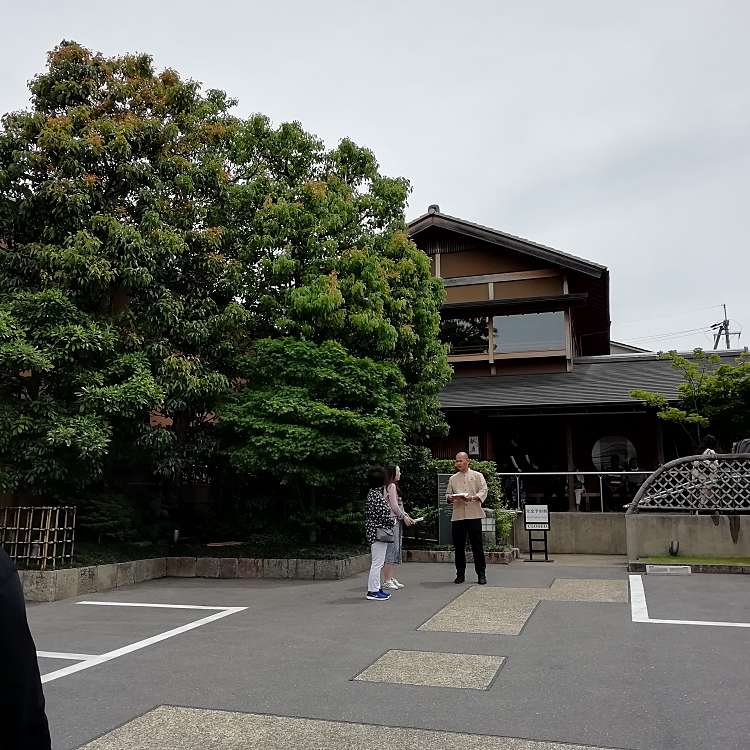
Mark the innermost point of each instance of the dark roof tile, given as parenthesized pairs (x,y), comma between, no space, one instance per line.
(602,381)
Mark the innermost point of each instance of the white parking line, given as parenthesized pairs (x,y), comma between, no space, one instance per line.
(638,606)
(93,660)
(639,610)
(156,606)
(63,655)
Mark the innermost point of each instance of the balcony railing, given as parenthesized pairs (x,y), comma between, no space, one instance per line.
(616,488)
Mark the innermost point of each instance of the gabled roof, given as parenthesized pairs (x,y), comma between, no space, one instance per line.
(604,381)
(493,236)
(623,348)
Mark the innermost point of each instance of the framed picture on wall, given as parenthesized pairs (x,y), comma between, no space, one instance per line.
(473,445)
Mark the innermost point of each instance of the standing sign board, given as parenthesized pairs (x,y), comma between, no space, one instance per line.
(536,518)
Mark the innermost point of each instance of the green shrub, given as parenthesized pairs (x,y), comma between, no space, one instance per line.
(504,525)
(107,515)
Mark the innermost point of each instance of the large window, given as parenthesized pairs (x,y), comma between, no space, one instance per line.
(529,333)
(466,335)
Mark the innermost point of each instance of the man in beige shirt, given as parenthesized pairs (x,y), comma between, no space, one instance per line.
(467,490)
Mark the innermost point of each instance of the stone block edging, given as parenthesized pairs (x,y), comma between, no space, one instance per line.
(640,567)
(53,585)
(446,556)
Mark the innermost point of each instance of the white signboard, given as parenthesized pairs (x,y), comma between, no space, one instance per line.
(536,517)
(473,445)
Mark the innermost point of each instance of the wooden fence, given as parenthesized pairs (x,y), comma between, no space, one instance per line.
(38,538)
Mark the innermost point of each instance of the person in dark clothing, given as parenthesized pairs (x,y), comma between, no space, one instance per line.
(23,722)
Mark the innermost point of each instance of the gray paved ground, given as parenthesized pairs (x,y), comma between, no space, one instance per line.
(175,728)
(578,673)
(695,598)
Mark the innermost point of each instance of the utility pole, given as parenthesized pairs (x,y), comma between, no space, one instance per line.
(722,329)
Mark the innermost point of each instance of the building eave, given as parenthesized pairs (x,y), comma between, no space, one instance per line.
(508,241)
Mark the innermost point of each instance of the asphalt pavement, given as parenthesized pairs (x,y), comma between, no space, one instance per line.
(578,672)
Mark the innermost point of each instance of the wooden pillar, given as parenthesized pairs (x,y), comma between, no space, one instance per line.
(489,448)
(571,464)
(659,442)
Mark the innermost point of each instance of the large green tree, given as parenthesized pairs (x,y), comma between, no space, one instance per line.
(328,258)
(149,239)
(714,395)
(118,289)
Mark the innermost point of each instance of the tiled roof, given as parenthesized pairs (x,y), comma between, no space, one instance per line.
(594,381)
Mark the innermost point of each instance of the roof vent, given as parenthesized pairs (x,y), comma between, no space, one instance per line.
(433,209)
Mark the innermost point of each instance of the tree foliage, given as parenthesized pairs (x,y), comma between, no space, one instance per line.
(714,394)
(117,294)
(161,257)
(311,419)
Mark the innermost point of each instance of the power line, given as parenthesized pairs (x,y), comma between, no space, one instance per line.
(670,315)
(670,334)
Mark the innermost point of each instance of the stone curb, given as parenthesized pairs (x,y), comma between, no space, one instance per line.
(639,567)
(53,585)
(445,556)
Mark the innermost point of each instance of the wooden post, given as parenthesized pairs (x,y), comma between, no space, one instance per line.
(489,448)
(72,526)
(659,442)
(45,523)
(571,465)
(29,534)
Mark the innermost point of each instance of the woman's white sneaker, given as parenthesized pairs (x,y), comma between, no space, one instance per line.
(391,584)
(399,585)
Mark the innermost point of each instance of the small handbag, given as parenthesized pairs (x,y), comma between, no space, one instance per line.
(385,535)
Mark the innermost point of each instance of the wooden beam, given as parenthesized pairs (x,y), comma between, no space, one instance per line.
(497,356)
(500,277)
(469,357)
(481,308)
(530,355)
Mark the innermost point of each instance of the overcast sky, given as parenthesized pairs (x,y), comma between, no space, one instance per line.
(615,131)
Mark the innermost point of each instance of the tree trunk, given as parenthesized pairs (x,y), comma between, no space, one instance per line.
(313,534)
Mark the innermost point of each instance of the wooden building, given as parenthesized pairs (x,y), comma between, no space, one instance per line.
(538,385)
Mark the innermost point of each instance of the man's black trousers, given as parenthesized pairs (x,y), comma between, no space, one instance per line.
(472,527)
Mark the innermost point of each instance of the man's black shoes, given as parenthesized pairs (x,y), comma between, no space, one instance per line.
(459,579)
(482,580)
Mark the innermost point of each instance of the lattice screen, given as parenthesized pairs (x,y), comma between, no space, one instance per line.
(698,483)
(40,538)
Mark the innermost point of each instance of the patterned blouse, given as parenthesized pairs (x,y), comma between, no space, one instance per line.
(377,513)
